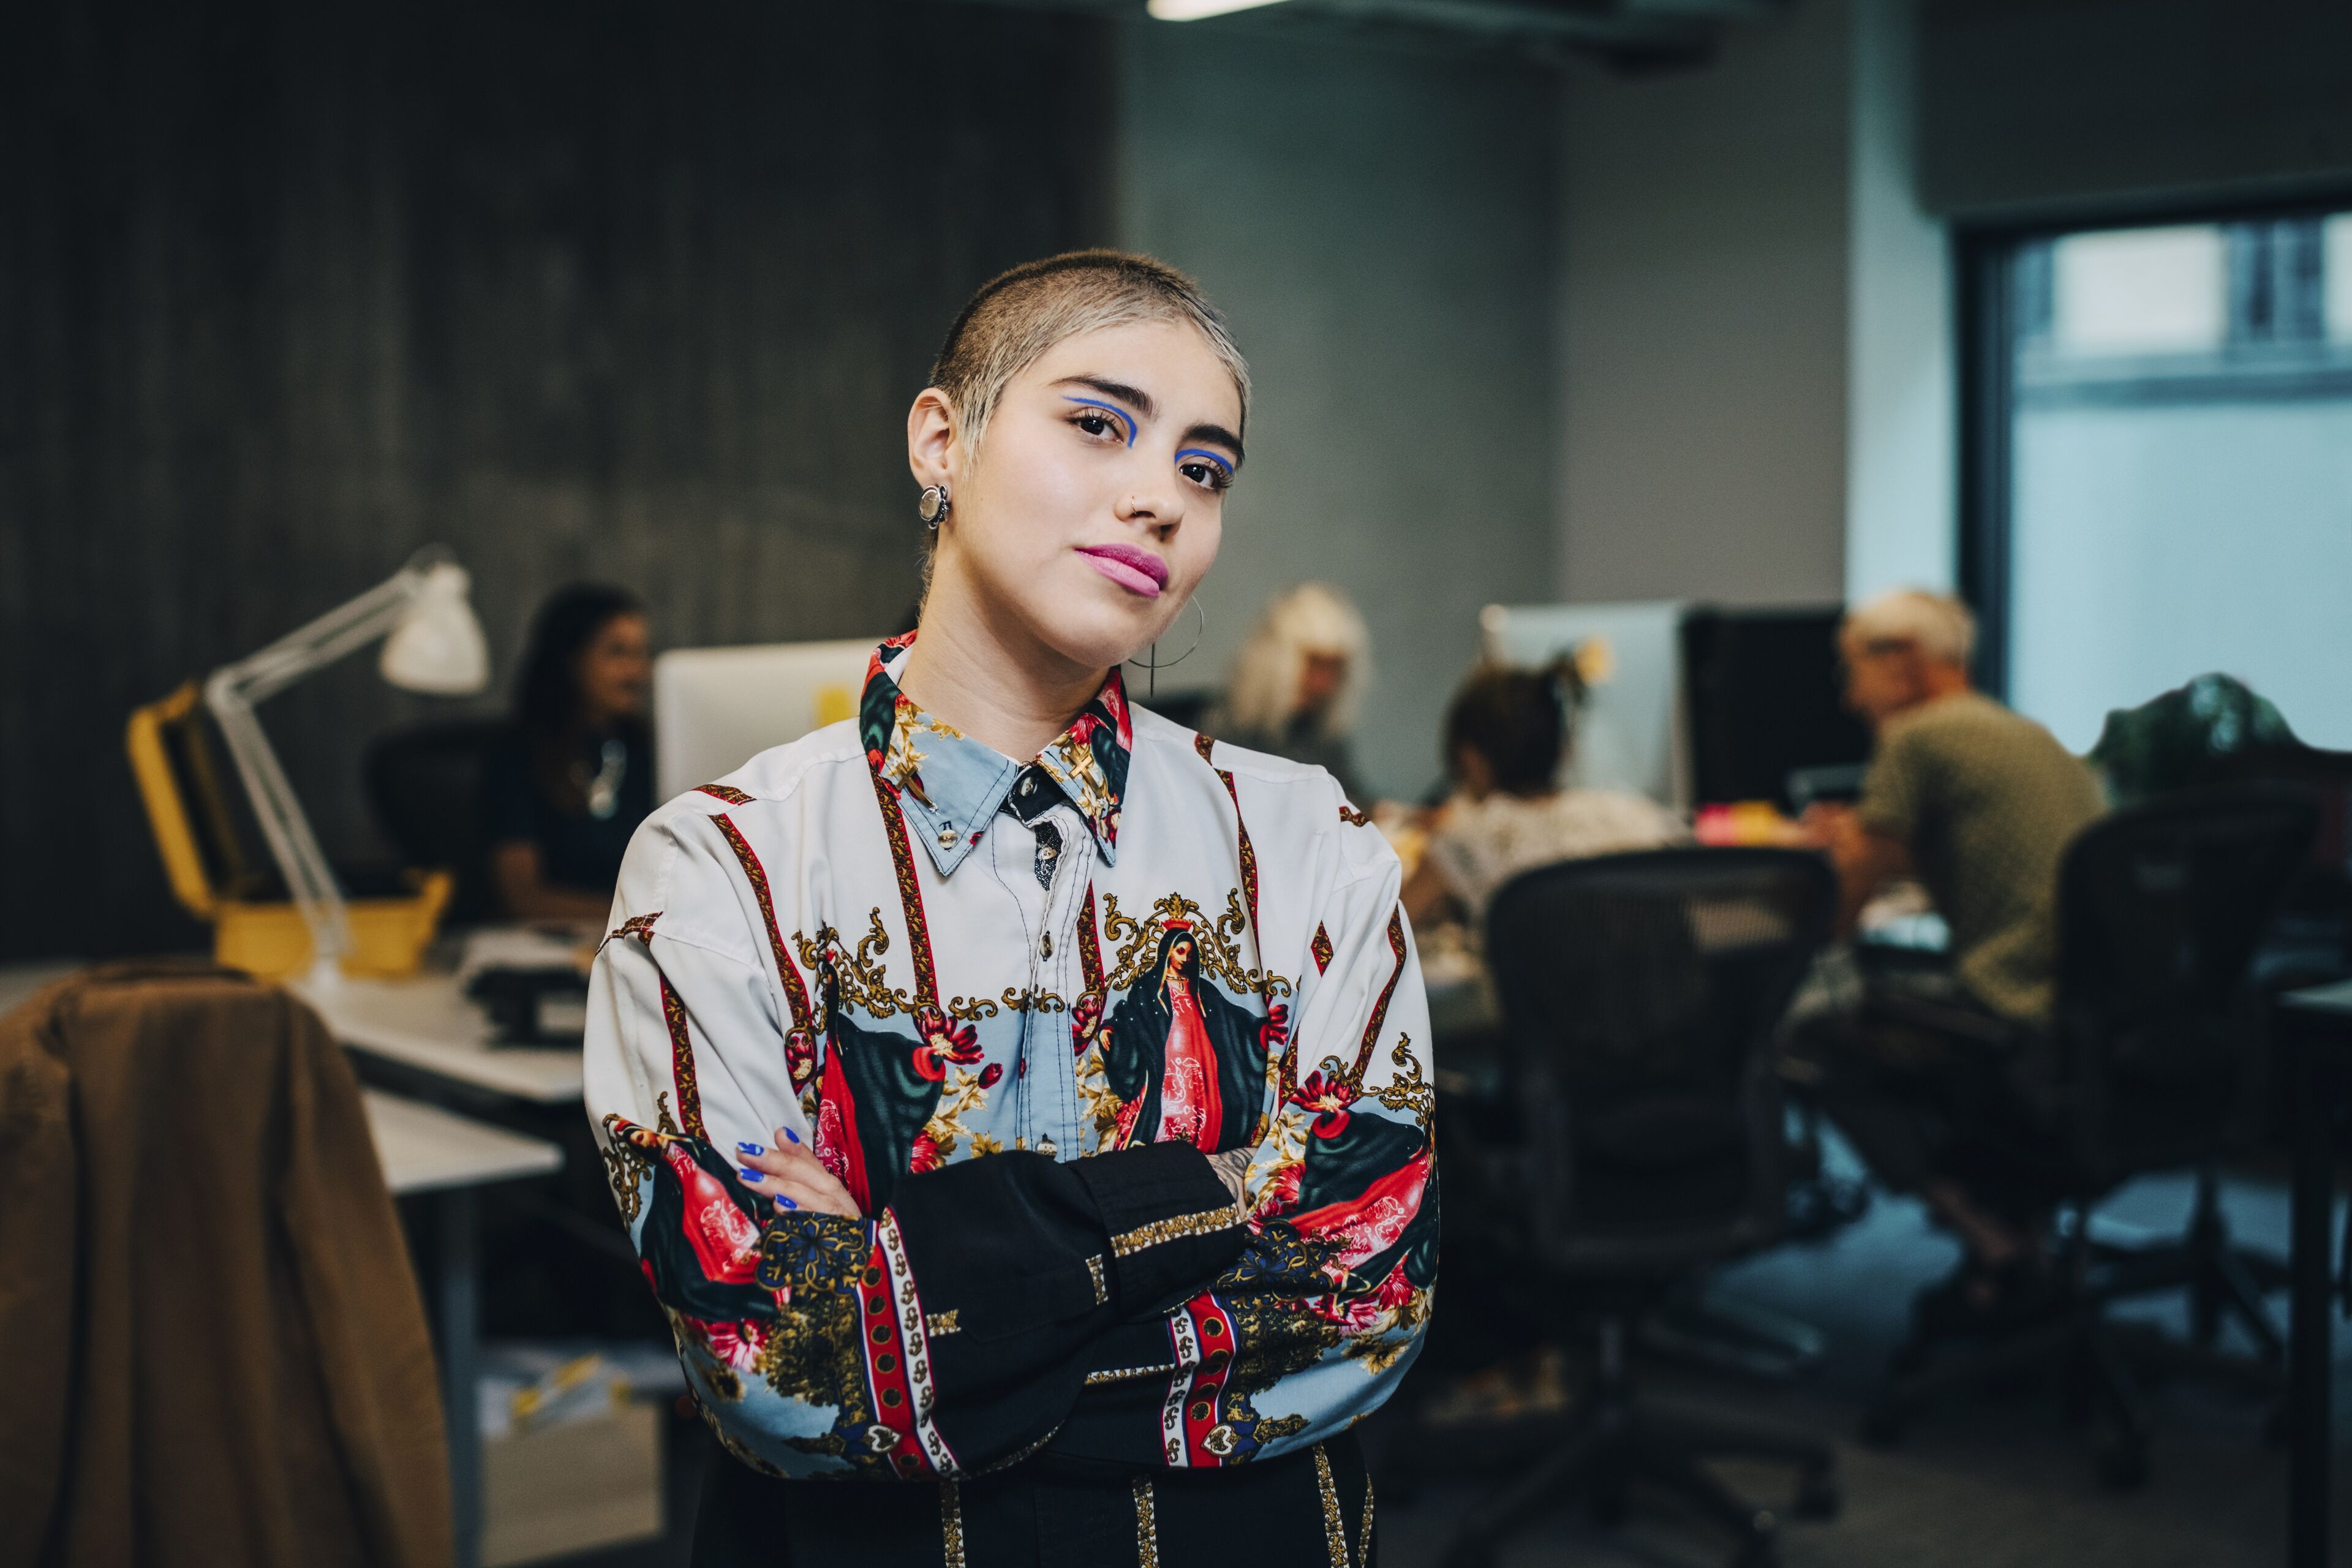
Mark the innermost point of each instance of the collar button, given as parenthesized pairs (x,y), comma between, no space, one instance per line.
(947,837)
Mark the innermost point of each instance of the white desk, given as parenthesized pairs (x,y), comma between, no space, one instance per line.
(427,1151)
(425,1022)
(18,982)
(425,1148)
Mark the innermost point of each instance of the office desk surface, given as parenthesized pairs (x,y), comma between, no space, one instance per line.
(425,1022)
(426,1149)
(18,982)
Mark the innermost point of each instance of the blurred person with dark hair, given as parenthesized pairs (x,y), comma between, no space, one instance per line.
(1298,683)
(575,776)
(1507,733)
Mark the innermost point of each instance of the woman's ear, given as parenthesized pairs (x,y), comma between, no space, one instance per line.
(931,438)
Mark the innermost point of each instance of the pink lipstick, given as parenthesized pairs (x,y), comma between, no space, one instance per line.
(1131,567)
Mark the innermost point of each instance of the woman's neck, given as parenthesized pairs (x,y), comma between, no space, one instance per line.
(989,677)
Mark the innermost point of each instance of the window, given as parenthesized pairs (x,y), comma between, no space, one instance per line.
(2161,448)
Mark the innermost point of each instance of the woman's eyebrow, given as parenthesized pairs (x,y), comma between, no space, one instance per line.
(1221,436)
(1133,397)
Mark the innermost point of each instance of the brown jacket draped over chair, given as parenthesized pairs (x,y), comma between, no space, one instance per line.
(212,1347)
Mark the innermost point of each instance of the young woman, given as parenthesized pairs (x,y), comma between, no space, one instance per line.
(564,791)
(1505,733)
(1020,1104)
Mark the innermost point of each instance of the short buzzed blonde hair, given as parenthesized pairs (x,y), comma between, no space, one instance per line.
(1017,316)
(1938,624)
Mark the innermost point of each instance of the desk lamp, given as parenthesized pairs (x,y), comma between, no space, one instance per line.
(434,644)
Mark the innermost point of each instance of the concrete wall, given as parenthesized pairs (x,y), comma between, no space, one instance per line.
(1703,319)
(1379,226)
(608,290)
(1902,432)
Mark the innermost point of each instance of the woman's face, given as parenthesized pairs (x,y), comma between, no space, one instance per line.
(1179,957)
(1320,677)
(613,670)
(1095,503)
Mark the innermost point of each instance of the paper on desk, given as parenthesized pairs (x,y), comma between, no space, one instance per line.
(520,947)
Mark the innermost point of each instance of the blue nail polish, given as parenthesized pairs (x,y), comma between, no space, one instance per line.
(750,1149)
(792,1136)
(786,1204)
(749,1174)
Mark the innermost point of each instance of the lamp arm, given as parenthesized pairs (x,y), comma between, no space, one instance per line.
(313,648)
(231,692)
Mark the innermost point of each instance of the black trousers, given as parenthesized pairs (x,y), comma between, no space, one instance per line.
(1048,1513)
(1928,1083)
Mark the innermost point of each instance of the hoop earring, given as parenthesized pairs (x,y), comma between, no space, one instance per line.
(931,507)
(1155,664)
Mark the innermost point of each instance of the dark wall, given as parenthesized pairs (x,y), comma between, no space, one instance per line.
(638,292)
(2036,107)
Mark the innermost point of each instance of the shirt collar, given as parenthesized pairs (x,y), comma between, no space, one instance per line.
(952,786)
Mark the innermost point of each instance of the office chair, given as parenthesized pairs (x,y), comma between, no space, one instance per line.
(1642,993)
(425,786)
(2158,1066)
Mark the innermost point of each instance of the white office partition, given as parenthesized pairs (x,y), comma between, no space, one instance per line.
(717,708)
(1632,732)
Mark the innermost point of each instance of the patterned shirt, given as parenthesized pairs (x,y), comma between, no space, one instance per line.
(1012,1008)
(1486,843)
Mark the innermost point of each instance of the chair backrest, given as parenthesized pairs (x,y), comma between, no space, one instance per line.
(1643,994)
(2160,909)
(425,786)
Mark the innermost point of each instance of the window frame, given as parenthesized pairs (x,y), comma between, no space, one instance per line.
(1985,342)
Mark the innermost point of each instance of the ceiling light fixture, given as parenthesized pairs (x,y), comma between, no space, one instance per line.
(1194,10)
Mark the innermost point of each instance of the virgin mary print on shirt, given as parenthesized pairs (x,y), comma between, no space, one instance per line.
(1189,1061)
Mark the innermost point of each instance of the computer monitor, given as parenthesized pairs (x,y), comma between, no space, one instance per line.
(715,709)
(1630,732)
(1766,699)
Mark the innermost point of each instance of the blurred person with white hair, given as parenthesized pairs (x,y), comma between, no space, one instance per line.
(1977,804)
(1298,683)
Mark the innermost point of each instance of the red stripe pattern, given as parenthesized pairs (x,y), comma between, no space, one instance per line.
(795,993)
(1207,1442)
(910,893)
(1388,992)
(681,1064)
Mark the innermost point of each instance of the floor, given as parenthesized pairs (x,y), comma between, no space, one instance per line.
(1995,1481)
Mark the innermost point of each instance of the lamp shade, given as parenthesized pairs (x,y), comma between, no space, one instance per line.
(439,648)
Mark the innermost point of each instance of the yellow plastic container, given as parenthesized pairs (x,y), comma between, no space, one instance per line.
(265,938)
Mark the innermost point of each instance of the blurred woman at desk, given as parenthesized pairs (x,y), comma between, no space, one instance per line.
(563,794)
(1507,733)
(1298,682)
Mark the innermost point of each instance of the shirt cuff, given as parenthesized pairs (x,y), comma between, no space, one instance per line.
(1170,1222)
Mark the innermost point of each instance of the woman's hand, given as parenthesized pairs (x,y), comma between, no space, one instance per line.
(793,1177)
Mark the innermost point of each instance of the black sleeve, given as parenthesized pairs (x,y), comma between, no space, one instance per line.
(509,798)
(1024,1265)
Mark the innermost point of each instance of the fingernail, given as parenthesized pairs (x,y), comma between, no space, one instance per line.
(786,1204)
(751,1175)
(750,1149)
(792,1136)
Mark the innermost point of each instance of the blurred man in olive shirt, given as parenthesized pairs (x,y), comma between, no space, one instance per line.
(1978,804)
